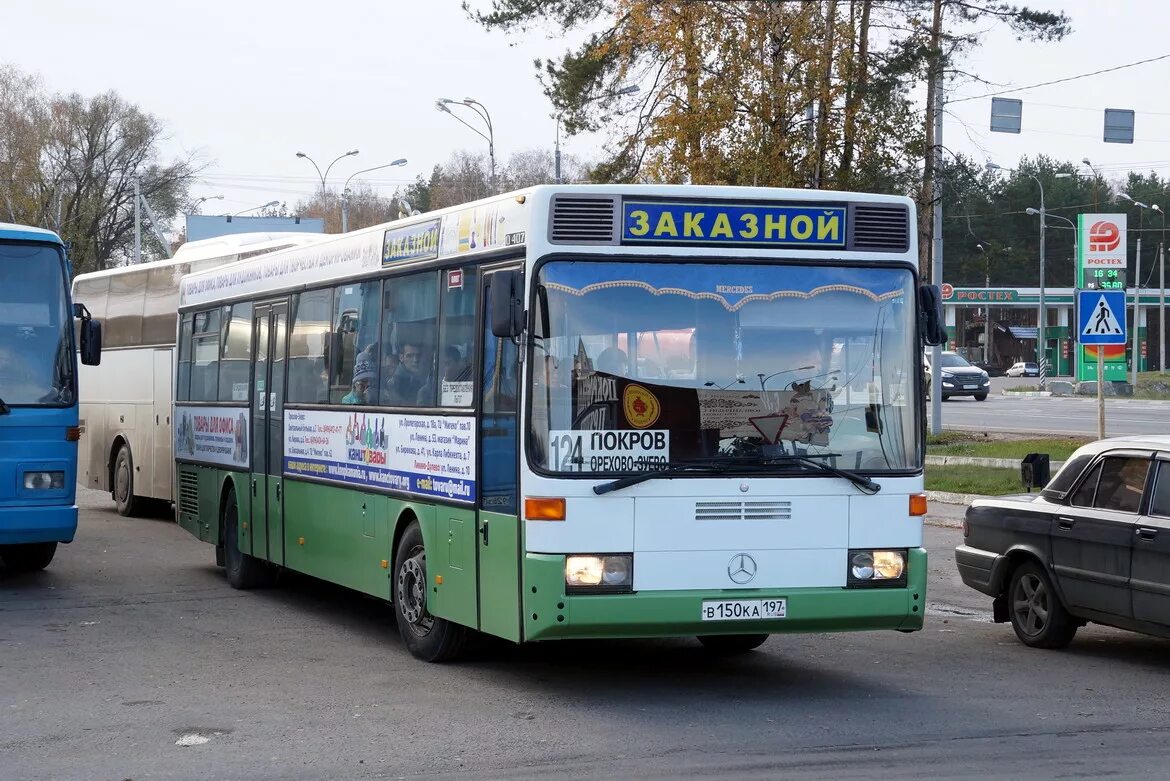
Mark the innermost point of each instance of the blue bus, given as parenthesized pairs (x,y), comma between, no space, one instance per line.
(38,396)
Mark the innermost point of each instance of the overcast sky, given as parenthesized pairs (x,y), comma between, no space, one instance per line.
(245,85)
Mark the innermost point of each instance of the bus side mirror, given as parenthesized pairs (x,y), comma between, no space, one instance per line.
(506,303)
(91,342)
(930,314)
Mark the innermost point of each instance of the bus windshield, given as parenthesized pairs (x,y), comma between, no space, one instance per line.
(638,365)
(36,346)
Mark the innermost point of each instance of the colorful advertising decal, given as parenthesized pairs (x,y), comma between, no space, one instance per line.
(212,435)
(485,226)
(1101,241)
(431,455)
(414,242)
(655,222)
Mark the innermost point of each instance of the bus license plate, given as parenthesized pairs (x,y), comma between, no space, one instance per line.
(743,609)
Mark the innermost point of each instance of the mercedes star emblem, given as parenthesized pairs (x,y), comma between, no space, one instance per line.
(741,569)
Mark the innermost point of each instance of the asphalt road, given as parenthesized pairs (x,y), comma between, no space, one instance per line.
(1074,415)
(132,643)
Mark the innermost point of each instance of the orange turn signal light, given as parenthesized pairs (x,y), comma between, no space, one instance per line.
(918,504)
(542,508)
(72,434)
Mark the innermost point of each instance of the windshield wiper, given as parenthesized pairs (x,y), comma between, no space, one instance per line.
(672,469)
(861,481)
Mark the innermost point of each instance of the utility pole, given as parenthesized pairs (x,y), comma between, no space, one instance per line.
(936,272)
(137,221)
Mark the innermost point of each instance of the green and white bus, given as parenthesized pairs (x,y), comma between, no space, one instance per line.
(574,412)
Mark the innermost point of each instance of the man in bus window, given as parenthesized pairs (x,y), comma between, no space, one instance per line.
(363,376)
(612,360)
(403,387)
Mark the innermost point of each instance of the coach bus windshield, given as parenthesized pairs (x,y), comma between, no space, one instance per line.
(36,353)
(635,365)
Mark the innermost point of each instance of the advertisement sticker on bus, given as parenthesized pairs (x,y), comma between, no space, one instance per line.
(212,436)
(414,242)
(431,455)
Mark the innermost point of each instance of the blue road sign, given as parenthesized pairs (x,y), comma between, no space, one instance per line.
(1101,316)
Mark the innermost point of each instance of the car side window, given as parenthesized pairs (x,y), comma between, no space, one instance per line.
(1083,496)
(1121,484)
(1160,503)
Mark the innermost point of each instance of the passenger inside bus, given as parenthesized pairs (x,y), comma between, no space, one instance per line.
(363,377)
(612,360)
(404,385)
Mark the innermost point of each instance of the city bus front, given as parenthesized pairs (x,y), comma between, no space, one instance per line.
(38,397)
(722,446)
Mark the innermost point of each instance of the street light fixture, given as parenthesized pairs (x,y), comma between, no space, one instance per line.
(254,208)
(1137,284)
(628,90)
(203,199)
(1041,315)
(764,378)
(323,176)
(345,190)
(480,111)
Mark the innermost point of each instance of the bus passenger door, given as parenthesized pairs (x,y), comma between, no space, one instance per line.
(498,522)
(163,455)
(270,325)
(257,537)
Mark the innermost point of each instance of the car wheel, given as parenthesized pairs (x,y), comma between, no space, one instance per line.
(731,644)
(426,637)
(980,397)
(1037,615)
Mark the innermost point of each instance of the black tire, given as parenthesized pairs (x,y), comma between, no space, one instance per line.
(426,637)
(731,644)
(28,557)
(1037,615)
(122,485)
(980,397)
(243,571)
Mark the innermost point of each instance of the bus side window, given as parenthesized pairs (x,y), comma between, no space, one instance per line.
(183,381)
(308,368)
(205,352)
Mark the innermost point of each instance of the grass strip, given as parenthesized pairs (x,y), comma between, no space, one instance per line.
(985,480)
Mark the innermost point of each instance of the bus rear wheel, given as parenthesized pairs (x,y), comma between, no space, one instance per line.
(29,557)
(123,482)
(243,571)
(731,644)
(425,636)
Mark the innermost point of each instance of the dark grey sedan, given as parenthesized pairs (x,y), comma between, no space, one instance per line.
(1094,545)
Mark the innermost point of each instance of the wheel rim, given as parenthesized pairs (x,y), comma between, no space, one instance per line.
(412,592)
(1030,605)
(122,480)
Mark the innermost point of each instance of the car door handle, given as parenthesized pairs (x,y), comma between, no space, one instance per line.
(483,530)
(1065,523)
(1146,533)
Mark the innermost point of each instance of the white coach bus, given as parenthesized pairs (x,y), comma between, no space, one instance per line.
(125,414)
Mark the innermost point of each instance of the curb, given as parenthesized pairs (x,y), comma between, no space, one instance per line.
(1028,394)
(1000,463)
(946,497)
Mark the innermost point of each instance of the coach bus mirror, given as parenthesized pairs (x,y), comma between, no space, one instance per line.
(934,330)
(507,303)
(91,342)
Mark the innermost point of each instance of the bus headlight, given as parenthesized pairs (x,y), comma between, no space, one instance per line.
(44,481)
(877,567)
(603,572)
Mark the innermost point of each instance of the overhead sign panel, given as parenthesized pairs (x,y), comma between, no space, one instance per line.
(751,224)
(1101,316)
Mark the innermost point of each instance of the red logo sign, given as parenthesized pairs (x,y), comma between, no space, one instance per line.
(1104,237)
(947,290)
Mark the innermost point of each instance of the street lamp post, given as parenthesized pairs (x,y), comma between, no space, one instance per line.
(1137,286)
(1042,314)
(345,190)
(254,208)
(630,90)
(324,176)
(1161,291)
(203,199)
(1072,225)
(480,111)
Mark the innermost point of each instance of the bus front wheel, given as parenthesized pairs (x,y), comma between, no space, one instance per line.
(123,487)
(731,644)
(243,571)
(426,637)
(29,557)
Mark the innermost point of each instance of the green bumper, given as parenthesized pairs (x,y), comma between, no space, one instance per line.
(550,614)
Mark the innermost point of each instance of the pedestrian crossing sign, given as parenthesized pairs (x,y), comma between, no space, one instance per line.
(1101,316)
